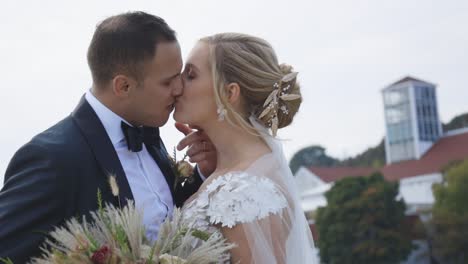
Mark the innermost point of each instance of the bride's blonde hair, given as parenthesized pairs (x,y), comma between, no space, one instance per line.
(252,63)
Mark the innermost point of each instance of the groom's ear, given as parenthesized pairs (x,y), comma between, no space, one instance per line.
(233,92)
(122,85)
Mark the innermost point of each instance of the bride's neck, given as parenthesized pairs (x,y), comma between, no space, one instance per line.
(235,147)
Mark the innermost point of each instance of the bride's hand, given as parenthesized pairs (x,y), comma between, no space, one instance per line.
(201,151)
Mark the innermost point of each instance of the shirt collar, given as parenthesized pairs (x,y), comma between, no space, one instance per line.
(110,120)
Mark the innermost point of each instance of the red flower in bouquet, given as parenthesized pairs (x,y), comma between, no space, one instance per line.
(101,255)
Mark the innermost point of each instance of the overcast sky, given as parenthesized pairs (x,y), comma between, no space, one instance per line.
(345,51)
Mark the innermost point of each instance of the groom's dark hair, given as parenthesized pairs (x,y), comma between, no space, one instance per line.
(122,44)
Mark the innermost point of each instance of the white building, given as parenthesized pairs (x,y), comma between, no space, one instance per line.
(416,178)
(411,119)
(416,151)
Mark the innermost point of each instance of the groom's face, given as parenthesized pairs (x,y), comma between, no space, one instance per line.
(153,99)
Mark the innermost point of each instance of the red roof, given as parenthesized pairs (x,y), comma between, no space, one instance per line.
(444,151)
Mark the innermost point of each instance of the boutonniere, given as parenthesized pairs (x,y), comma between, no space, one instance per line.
(182,169)
(114,186)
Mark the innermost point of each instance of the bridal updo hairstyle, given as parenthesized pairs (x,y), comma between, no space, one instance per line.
(251,62)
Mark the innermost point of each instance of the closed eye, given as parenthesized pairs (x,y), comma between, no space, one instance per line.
(168,81)
(189,73)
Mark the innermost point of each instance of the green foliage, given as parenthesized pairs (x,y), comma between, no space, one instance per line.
(93,243)
(315,156)
(99,202)
(121,237)
(200,234)
(451,195)
(372,157)
(311,156)
(6,260)
(459,121)
(363,223)
(449,225)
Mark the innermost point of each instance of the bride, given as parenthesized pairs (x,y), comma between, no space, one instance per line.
(237,93)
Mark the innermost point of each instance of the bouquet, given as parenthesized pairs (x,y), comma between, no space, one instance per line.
(117,236)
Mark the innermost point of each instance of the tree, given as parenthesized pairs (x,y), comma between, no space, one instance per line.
(372,157)
(363,223)
(449,225)
(459,121)
(316,156)
(311,156)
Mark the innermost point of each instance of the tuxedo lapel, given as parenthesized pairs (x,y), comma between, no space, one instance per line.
(161,157)
(99,142)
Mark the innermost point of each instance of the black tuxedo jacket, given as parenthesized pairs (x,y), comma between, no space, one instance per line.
(56,176)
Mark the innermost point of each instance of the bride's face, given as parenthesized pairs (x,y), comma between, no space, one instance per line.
(197,106)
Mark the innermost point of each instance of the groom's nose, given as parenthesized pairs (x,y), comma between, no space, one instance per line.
(178,86)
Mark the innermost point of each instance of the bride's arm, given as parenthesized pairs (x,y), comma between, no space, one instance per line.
(262,240)
(241,253)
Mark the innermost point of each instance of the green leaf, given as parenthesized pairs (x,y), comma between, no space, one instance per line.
(6,260)
(201,234)
(99,202)
(121,238)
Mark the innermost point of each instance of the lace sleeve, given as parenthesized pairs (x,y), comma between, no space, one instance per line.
(238,198)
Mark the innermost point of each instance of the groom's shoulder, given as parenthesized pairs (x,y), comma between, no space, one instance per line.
(62,137)
(59,144)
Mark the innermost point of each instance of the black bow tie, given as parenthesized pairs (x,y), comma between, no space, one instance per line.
(136,136)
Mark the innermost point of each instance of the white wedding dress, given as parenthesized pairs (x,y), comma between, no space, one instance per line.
(262,200)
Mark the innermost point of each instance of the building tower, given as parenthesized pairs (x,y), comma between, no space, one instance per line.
(411,119)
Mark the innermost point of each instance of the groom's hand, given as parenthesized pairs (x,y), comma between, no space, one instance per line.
(201,151)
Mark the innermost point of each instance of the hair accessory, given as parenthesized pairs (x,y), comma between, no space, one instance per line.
(277,97)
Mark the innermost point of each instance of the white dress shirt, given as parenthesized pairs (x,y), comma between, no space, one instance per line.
(149,187)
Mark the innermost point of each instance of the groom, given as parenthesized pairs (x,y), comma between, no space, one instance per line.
(135,63)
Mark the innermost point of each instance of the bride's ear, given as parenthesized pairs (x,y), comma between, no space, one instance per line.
(233,92)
